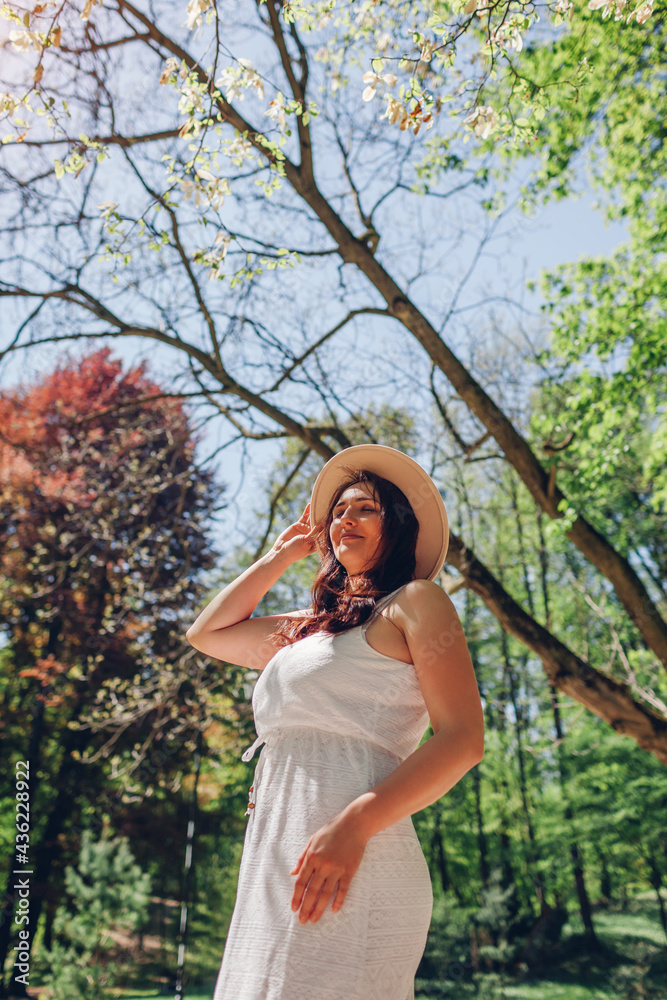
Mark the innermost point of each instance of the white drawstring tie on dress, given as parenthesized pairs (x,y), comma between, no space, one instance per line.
(250,752)
(246,756)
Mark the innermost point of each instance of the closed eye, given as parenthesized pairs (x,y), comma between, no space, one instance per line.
(367,509)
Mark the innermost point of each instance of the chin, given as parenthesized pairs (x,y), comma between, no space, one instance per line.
(350,570)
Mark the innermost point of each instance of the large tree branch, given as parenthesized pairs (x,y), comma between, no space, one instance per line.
(605,697)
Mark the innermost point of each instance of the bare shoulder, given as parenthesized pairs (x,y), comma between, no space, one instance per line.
(421,598)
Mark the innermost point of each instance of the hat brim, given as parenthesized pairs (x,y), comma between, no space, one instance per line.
(418,487)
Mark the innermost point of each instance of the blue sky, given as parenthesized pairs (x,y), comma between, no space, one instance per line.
(558,233)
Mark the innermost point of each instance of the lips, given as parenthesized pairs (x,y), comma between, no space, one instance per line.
(348,535)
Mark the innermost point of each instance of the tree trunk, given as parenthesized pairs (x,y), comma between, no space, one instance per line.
(575,853)
(605,877)
(504,840)
(656,882)
(482,846)
(523,783)
(49,917)
(439,859)
(580,881)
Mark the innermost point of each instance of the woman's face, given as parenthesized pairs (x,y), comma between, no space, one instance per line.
(356,528)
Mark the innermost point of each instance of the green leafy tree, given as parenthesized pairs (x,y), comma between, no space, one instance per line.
(107,891)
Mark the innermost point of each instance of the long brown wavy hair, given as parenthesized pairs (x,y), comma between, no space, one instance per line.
(337,608)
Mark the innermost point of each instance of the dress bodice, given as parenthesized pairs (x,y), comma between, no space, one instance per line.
(341,684)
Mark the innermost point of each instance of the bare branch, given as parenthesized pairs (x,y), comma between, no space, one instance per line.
(367,311)
(108,140)
(467,449)
(297,86)
(275,500)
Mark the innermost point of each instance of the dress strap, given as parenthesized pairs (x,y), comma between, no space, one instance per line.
(381,605)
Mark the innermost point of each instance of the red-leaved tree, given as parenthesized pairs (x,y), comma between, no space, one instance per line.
(104,515)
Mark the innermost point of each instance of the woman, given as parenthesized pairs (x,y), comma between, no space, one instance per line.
(334,897)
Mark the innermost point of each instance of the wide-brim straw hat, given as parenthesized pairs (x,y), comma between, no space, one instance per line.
(418,487)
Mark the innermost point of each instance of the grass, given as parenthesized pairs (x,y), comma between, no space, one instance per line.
(631,964)
(196,993)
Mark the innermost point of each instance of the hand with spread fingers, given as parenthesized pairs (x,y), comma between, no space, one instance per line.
(297,540)
(325,869)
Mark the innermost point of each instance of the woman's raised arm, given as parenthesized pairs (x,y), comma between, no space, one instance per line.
(225,629)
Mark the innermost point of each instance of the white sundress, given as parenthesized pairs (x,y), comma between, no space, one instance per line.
(336,717)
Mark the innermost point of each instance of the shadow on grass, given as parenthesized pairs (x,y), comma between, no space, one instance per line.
(628,963)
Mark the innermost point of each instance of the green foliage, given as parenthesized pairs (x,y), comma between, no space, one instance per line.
(607,358)
(108,891)
(600,413)
(619,796)
(496,917)
(613,111)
